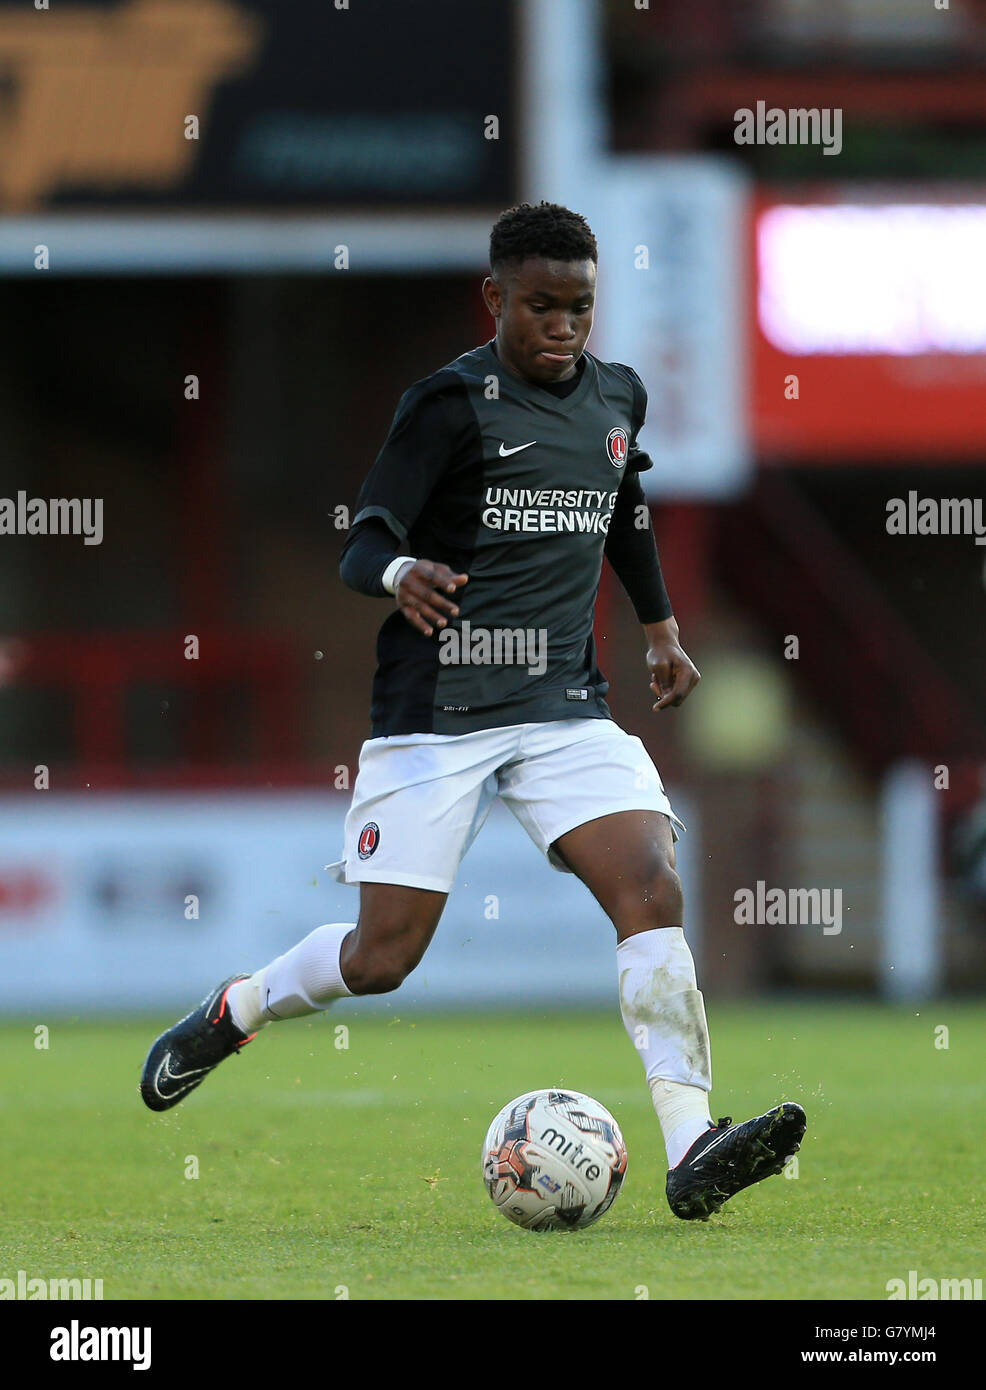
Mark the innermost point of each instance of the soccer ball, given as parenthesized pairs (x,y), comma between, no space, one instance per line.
(554,1160)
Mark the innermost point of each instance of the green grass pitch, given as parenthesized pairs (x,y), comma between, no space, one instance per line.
(324,1170)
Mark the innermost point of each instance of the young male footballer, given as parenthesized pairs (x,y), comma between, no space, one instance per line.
(506,477)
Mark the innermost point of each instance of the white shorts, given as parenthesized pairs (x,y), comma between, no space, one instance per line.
(421,799)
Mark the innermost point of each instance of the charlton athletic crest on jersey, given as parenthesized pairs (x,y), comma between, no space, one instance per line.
(369,838)
(617,446)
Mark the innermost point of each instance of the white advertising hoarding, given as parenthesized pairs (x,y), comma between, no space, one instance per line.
(98,896)
(672,304)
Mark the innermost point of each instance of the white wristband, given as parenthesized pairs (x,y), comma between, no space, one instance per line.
(390,573)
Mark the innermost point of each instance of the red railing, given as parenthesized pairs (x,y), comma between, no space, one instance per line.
(98,672)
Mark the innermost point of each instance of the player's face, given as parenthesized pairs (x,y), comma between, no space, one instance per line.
(543,311)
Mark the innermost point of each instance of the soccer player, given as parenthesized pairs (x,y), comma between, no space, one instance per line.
(506,477)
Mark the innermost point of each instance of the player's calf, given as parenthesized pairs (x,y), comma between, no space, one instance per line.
(396,924)
(368,975)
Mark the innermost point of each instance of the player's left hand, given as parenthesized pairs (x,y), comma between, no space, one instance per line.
(673,673)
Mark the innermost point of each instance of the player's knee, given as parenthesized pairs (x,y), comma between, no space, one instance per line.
(369,971)
(374,976)
(655,899)
(666,895)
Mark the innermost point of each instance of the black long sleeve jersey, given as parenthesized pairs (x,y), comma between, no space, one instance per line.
(524,488)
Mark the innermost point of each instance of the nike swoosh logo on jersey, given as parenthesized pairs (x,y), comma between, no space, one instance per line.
(504,451)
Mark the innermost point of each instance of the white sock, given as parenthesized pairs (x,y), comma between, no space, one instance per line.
(303,981)
(684,1114)
(664,1015)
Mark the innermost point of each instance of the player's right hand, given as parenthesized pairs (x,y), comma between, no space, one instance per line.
(421,591)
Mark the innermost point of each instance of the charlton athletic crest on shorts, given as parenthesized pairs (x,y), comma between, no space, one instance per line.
(617,446)
(369,838)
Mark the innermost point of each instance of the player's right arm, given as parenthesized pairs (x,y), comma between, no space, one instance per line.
(421,445)
(421,588)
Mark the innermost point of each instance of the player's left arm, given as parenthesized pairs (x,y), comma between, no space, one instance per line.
(673,673)
(631,548)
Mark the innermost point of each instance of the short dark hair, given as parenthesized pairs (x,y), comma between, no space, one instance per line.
(545,230)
